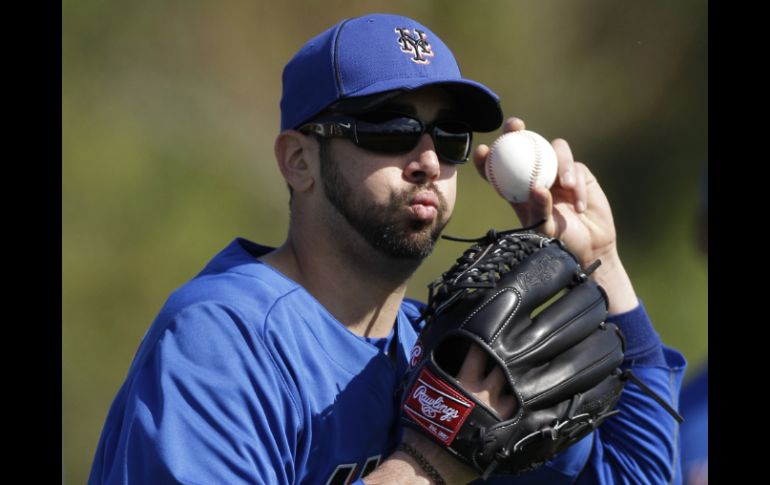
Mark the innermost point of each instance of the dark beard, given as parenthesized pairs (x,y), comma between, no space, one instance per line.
(385,228)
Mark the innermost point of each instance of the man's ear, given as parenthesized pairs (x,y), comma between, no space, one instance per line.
(297,157)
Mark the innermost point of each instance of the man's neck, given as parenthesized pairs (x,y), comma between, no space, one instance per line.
(362,288)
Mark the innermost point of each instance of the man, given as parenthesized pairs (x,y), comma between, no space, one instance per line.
(694,400)
(282,365)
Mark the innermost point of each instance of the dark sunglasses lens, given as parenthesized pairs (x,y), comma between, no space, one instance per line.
(401,134)
(453,141)
(396,135)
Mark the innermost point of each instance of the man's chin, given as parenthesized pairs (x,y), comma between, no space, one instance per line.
(413,244)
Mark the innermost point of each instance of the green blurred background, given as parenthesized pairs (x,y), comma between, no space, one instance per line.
(170,108)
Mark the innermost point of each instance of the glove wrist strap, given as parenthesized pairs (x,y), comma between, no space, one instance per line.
(628,375)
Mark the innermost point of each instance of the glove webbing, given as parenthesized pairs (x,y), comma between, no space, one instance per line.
(469,273)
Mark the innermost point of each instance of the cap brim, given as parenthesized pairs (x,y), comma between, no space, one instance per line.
(475,103)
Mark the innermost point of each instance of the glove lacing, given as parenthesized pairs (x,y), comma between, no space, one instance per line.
(482,265)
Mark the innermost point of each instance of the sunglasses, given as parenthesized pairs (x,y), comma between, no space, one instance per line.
(395,133)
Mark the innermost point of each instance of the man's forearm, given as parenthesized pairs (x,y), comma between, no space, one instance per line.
(402,468)
(612,276)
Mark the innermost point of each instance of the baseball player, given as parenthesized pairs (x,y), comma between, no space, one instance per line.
(694,400)
(285,365)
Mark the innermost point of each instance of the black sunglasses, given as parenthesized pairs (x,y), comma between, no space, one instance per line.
(396,133)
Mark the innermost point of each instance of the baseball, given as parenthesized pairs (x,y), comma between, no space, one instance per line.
(519,161)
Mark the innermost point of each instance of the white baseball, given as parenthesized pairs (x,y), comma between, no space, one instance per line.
(519,161)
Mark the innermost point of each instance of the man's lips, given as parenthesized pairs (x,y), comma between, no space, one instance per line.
(424,206)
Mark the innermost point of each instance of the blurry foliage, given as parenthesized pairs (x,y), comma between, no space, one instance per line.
(169,111)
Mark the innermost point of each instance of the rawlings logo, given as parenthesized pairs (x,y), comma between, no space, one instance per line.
(436,406)
(417,46)
(540,274)
(432,407)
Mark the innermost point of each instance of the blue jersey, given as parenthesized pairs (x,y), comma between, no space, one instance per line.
(244,377)
(695,429)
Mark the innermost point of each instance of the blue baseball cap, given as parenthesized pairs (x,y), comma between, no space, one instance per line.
(362,62)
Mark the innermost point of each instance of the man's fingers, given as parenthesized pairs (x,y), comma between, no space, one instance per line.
(495,381)
(570,177)
(539,207)
(581,190)
(480,155)
(472,370)
(513,124)
(567,177)
(505,405)
(493,390)
(501,399)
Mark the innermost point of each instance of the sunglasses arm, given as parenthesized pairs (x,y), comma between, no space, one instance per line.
(332,129)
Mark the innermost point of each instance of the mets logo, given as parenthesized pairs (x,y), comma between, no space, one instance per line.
(418,46)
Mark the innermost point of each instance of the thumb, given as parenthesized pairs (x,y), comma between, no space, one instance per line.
(480,155)
(539,207)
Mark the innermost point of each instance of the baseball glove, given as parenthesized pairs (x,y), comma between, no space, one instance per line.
(525,300)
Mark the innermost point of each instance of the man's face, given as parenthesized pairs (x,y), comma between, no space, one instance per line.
(398,203)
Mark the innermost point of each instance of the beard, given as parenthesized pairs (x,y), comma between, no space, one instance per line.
(385,227)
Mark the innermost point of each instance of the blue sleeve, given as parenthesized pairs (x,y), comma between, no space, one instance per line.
(695,429)
(203,403)
(640,444)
